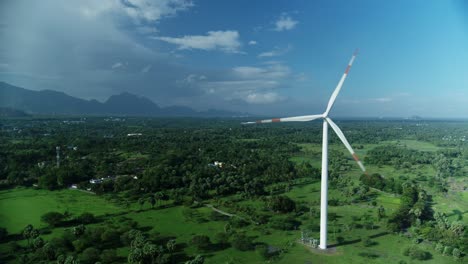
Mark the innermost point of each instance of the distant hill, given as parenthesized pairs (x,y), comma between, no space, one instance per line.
(9,112)
(48,102)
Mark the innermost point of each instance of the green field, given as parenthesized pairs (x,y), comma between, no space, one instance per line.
(20,207)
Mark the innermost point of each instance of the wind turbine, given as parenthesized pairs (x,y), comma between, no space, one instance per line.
(326,121)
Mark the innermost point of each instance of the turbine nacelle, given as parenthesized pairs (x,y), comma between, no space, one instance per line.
(323,116)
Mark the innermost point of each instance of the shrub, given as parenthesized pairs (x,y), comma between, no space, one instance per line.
(222,238)
(284,223)
(439,247)
(262,250)
(3,233)
(456,253)
(90,255)
(367,242)
(202,242)
(241,242)
(415,253)
(238,222)
(52,218)
(447,251)
(86,218)
(282,204)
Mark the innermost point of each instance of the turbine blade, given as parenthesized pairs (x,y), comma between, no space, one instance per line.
(340,134)
(340,84)
(286,119)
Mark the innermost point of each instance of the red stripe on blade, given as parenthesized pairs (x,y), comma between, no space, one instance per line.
(355,157)
(347,69)
(276,120)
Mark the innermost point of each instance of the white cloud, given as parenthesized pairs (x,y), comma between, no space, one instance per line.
(273,71)
(227,41)
(139,10)
(238,85)
(191,80)
(117,65)
(252,42)
(383,99)
(253,85)
(275,52)
(146,30)
(263,98)
(151,10)
(146,69)
(285,22)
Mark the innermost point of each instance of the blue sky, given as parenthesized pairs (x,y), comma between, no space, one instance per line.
(264,57)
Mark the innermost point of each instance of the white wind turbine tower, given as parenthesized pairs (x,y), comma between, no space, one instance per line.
(326,121)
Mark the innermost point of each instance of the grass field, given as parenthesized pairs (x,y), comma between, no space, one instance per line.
(22,206)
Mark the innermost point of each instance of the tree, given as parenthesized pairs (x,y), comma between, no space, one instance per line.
(171,245)
(52,218)
(415,253)
(86,218)
(49,251)
(38,242)
(439,248)
(109,256)
(79,230)
(27,232)
(456,253)
(282,204)
(152,201)
(90,255)
(447,251)
(241,242)
(135,255)
(202,242)
(3,233)
(380,213)
(222,238)
(48,180)
(197,260)
(141,202)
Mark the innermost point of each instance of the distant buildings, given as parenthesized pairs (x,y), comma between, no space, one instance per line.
(134,134)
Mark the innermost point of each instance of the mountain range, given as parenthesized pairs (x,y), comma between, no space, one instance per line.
(49,102)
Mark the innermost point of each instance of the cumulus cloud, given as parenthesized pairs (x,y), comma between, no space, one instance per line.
(273,71)
(227,41)
(191,79)
(78,43)
(250,84)
(263,98)
(275,52)
(285,22)
(252,42)
(117,65)
(138,10)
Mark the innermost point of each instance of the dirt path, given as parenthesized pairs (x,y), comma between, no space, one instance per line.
(228,214)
